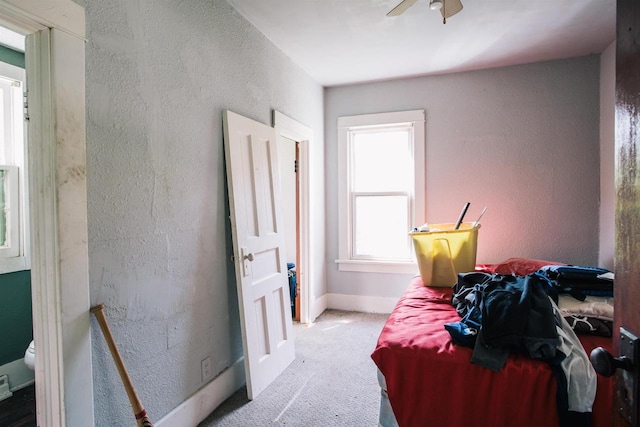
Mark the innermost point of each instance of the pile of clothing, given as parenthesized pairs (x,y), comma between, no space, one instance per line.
(584,297)
(502,313)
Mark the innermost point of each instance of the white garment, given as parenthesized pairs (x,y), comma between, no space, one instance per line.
(581,377)
(592,306)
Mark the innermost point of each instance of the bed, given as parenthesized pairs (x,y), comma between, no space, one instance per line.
(427,380)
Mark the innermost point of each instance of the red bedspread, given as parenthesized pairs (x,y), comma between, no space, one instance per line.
(431,381)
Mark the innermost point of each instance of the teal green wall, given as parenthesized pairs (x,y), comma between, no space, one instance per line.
(11,56)
(16,324)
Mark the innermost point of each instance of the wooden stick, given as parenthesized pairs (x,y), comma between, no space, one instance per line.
(138,410)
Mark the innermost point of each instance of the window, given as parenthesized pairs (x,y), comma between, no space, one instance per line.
(381,168)
(13,207)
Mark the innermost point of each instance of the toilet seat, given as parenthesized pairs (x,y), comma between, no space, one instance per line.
(30,356)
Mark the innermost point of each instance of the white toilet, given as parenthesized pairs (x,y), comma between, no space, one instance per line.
(30,356)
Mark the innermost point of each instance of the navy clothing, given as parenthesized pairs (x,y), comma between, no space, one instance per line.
(504,313)
(579,281)
(514,314)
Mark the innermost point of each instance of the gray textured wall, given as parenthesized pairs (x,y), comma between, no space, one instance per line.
(522,140)
(159,74)
(607,156)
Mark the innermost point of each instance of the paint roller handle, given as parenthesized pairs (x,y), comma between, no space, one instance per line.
(462,214)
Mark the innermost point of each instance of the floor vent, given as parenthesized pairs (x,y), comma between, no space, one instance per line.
(4,387)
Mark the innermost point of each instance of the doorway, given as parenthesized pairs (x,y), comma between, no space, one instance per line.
(289,188)
(54,63)
(15,275)
(296,138)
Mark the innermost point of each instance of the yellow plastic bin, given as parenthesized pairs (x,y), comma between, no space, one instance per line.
(443,252)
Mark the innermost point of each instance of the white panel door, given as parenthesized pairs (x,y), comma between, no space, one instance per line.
(258,249)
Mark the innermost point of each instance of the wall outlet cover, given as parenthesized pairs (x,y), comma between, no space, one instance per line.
(206,368)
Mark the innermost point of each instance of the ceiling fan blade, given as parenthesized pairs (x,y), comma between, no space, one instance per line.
(401,7)
(450,8)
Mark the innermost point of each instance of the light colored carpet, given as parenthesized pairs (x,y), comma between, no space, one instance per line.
(332,381)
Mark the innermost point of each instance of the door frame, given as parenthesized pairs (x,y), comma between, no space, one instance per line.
(286,127)
(57,205)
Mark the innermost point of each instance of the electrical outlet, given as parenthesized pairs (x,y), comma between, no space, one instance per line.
(206,368)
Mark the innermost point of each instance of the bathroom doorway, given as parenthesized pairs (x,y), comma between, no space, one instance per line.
(17,360)
(54,64)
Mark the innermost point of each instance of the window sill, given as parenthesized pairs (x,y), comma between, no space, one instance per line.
(11,265)
(377,266)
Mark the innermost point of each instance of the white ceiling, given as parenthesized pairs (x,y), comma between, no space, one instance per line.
(349,41)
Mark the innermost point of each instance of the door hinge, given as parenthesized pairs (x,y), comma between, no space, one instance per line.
(295,166)
(25,102)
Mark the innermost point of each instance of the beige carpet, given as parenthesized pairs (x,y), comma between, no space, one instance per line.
(332,381)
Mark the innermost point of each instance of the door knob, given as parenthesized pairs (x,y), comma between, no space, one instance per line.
(628,378)
(248,257)
(606,365)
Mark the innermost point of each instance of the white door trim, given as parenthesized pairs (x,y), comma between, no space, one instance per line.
(45,286)
(64,15)
(57,204)
(289,128)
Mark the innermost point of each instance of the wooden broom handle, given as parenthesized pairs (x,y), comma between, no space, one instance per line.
(138,410)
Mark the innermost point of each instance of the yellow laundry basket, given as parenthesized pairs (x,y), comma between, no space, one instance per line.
(443,252)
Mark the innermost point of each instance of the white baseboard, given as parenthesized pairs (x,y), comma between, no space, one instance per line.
(362,303)
(319,306)
(19,375)
(195,409)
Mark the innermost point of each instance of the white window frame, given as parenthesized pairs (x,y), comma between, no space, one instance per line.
(414,118)
(16,255)
(12,211)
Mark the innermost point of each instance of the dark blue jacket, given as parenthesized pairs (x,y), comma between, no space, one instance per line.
(504,313)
